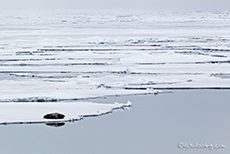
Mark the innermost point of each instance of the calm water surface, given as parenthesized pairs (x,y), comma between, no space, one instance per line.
(155,124)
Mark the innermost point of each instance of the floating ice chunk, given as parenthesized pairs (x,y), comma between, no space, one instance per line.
(154,90)
(29,113)
(128,104)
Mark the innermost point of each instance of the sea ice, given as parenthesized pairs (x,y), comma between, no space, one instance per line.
(29,113)
(79,55)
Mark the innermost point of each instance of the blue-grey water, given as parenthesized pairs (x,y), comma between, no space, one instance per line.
(155,124)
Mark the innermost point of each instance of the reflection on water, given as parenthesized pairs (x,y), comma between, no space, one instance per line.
(55,124)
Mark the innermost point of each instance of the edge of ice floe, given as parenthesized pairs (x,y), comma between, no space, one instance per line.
(141,91)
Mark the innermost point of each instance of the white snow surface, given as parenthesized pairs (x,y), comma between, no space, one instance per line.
(26,113)
(64,56)
(75,55)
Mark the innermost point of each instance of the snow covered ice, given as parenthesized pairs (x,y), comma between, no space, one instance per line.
(32,113)
(58,56)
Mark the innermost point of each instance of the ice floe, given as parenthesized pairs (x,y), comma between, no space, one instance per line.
(68,56)
(32,113)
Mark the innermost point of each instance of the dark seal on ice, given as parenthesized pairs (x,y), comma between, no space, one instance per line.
(54,116)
